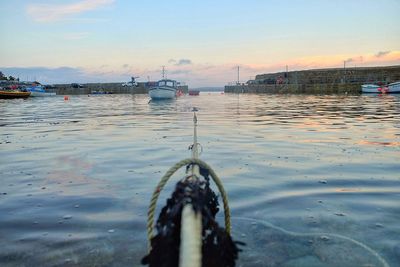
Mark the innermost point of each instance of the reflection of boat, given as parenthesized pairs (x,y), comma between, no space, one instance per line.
(38,90)
(370,88)
(394,88)
(194,92)
(14,94)
(165,89)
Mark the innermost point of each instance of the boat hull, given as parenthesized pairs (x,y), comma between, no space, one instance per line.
(370,88)
(394,88)
(162,93)
(10,94)
(194,92)
(38,91)
(42,94)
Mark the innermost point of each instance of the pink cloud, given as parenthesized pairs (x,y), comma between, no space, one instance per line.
(53,12)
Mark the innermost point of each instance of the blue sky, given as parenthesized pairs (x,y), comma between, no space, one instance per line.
(200,43)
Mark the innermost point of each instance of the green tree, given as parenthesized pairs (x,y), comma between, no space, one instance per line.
(2,76)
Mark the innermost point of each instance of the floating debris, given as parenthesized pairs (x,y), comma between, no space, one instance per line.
(324,238)
(67,217)
(339,214)
(379,225)
(111,231)
(76,206)
(322,181)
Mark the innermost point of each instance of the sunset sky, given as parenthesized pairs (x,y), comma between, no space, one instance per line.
(199,42)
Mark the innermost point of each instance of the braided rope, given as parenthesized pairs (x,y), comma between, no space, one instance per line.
(164,180)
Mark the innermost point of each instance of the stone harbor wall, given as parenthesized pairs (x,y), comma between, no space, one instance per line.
(296,88)
(319,81)
(111,88)
(338,75)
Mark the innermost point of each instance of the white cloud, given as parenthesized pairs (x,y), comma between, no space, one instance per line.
(184,61)
(180,62)
(53,12)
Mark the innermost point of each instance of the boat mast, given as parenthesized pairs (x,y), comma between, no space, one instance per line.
(191,223)
(163,72)
(238,80)
(195,170)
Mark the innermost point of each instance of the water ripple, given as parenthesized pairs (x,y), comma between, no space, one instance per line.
(77,175)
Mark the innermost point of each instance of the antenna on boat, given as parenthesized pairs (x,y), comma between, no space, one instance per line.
(163,72)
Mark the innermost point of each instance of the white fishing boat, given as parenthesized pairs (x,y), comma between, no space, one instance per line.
(370,88)
(165,89)
(38,90)
(394,88)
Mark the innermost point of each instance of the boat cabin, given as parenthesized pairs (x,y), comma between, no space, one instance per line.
(169,83)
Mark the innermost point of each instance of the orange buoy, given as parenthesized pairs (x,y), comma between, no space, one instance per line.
(66,97)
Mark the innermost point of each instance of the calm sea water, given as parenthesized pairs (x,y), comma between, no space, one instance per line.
(312,180)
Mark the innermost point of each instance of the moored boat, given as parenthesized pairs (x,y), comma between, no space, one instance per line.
(101,93)
(165,89)
(7,94)
(38,90)
(194,92)
(394,88)
(370,88)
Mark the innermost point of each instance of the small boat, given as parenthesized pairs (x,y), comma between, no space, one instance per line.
(370,88)
(194,92)
(38,90)
(7,94)
(165,89)
(101,93)
(394,88)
